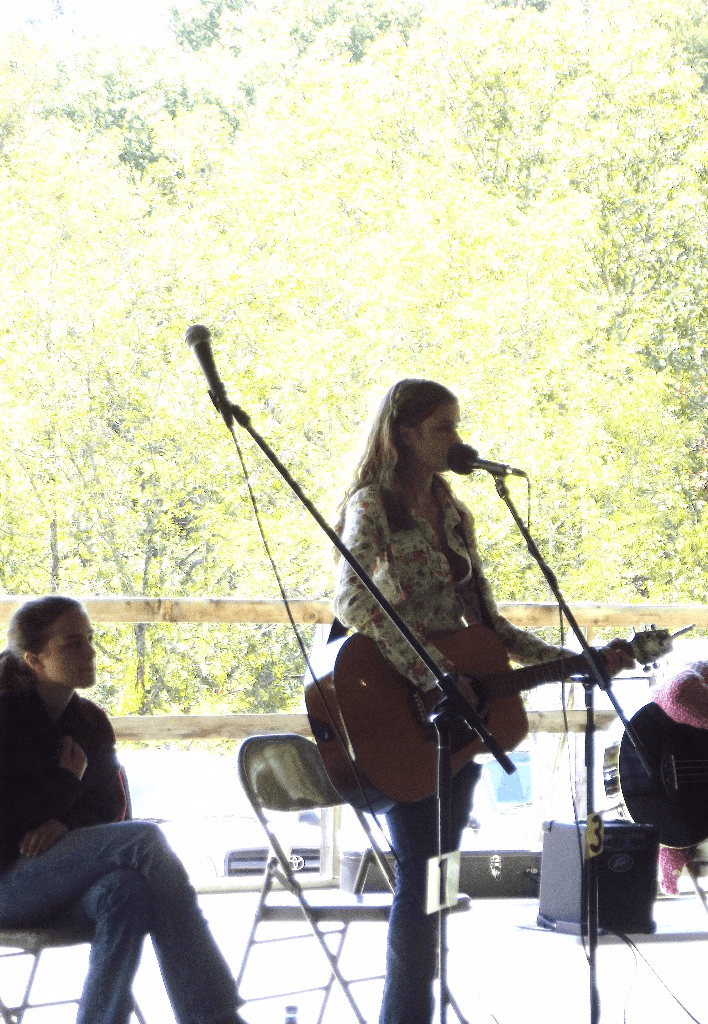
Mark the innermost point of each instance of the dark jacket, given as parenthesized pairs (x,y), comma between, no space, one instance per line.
(33,788)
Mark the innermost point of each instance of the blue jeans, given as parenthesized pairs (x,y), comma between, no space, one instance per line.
(411,955)
(125,880)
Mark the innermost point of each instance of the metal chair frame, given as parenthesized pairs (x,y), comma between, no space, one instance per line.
(284,772)
(33,942)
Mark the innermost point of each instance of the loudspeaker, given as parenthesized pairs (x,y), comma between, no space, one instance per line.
(627,877)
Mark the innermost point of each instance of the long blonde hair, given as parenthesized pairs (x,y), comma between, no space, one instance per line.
(406,404)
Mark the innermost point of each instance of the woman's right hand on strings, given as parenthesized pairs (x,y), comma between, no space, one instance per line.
(72,757)
(469,688)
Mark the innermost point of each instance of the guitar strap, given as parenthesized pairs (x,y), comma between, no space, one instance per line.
(337,631)
(484,614)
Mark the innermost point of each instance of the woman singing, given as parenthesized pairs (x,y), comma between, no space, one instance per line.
(405,527)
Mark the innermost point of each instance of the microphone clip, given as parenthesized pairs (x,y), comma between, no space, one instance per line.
(463,459)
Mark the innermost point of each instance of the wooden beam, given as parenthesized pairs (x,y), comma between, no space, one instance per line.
(233,609)
(226,610)
(554,721)
(156,728)
(186,609)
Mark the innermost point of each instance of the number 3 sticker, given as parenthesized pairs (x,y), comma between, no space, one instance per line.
(594,836)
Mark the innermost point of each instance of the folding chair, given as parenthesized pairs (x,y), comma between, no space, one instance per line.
(285,773)
(32,942)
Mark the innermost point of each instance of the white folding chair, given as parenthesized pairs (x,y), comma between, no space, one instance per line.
(285,773)
(33,942)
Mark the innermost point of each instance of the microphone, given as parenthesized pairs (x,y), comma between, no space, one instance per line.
(199,340)
(464,460)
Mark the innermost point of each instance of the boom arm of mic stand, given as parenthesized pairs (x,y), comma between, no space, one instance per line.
(596,668)
(445,681)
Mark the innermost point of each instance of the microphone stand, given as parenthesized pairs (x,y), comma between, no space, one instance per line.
(597,675)
(452,707)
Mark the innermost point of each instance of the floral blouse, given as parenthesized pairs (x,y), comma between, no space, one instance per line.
(415,576)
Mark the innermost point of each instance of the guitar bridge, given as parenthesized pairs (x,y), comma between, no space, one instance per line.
(669,776)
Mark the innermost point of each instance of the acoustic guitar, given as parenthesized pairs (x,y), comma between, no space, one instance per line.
(674,798)
(371,726)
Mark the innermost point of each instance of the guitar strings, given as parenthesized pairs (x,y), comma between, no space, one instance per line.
(690,770)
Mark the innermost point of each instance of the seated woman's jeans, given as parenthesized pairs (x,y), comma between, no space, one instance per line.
(125,880)
(411,957)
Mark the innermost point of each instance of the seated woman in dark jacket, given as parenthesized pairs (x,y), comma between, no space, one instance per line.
(66,852)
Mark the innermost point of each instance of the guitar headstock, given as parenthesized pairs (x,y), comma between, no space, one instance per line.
(652,644)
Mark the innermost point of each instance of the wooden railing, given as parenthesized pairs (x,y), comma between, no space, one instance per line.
(619,619)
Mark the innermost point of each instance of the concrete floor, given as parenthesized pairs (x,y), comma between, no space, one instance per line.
(503,969)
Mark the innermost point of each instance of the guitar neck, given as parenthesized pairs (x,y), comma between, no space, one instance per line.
(507,684)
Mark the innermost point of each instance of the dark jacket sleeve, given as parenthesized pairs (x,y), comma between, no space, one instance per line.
(100,797)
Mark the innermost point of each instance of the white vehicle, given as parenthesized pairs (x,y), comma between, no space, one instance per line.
(198,802)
